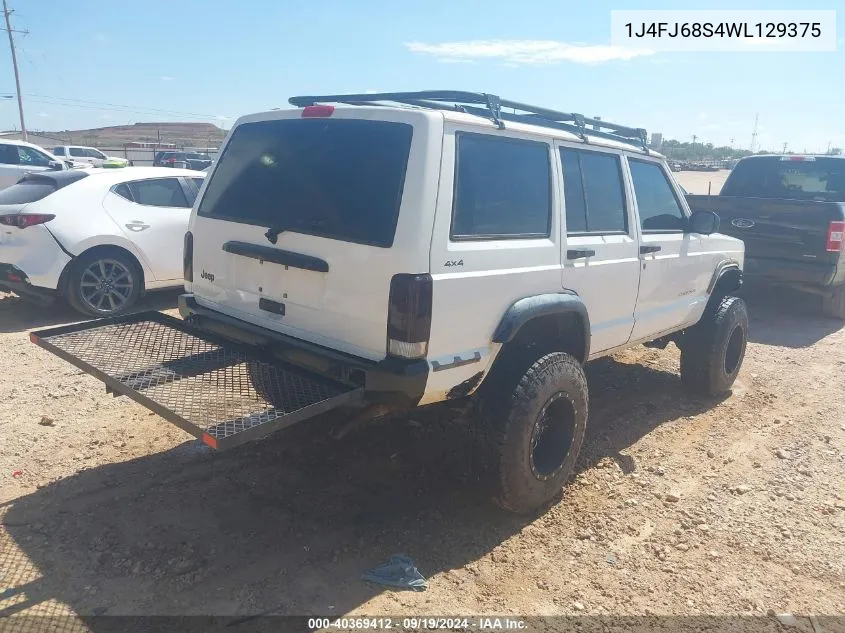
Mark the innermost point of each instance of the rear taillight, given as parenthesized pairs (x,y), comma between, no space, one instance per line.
(24,220)
(317,111)
(188,257)
(835,233)
(409,315)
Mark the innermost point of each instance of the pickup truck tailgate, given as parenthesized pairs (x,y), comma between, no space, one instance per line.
(222,392)
(783,229)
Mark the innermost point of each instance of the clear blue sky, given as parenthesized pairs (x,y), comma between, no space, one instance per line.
(223,59)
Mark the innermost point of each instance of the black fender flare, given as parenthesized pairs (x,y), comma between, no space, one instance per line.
(524,310)
(726,267)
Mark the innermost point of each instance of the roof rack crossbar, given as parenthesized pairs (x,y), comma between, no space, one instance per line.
(491,107)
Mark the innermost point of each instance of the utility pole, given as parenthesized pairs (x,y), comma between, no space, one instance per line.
(732,143)
(784,148)
(6,12)
(754,133)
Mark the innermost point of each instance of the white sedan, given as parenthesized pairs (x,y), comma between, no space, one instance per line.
(98,237)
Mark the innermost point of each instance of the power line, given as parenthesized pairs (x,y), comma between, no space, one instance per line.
(6,13)
(124,109)
(117,105)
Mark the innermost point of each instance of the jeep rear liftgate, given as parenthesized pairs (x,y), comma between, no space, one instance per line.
(219,391)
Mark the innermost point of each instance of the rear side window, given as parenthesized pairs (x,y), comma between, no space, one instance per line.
(341,179)
(592,187)
(78,152)
(159,192)
(820,179)
(502,188)
(26,191)
(123,191)
(656,202)
(58,151)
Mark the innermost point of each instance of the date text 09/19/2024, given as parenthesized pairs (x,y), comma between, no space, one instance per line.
(724,29)
(417,624)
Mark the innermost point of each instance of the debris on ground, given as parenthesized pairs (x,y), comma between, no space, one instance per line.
(400,572)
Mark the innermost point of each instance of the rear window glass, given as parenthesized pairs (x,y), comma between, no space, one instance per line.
(340,179)
(26,191)
(820,179)
(502,188)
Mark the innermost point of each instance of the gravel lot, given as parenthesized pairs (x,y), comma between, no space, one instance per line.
(681,506)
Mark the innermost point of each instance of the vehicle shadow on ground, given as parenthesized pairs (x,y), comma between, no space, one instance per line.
(20,315)
(288,525)
(786,318)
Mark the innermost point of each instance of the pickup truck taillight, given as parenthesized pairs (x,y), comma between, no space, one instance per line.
(409,315)
(188,257)
(835,234)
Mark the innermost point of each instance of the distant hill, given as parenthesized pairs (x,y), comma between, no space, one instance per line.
(182,134)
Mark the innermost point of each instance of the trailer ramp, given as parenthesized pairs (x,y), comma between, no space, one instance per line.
(220,391)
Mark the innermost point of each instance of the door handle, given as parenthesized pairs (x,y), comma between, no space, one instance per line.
(650,248)
(575,253)
(137,226)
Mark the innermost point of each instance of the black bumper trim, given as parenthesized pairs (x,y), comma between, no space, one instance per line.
(393,381)
(44,296)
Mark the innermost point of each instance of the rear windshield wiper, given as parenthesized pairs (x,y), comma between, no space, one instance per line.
(273,232)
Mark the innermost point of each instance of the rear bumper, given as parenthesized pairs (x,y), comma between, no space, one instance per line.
(793,273)
(394,382)
(37,253)
(14,279)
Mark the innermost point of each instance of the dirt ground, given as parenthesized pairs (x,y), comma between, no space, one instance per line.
(681,506)
(702,182)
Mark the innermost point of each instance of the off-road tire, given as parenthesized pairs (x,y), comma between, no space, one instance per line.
(73,289)
(834,305)
(552,394)
(713,350)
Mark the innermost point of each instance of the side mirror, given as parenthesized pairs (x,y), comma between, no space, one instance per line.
(704,222)
(56,165)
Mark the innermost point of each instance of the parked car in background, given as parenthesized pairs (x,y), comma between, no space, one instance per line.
(99,238)
(790,212)
(185,160)
(18,158)
(89,155)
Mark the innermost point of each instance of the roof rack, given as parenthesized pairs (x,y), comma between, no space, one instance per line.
(491,107)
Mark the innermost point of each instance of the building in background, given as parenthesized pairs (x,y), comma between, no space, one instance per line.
(656,141)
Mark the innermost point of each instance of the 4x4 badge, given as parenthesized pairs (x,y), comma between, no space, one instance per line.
(453,262)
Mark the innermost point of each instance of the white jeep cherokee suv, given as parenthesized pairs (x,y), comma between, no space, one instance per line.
(407,249)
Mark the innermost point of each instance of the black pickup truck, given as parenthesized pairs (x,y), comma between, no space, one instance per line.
(790,212)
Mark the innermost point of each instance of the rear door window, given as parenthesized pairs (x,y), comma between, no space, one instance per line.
(8,154)
(593,193)
(77,151)
(341,179)
(502,188)
(158,192)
